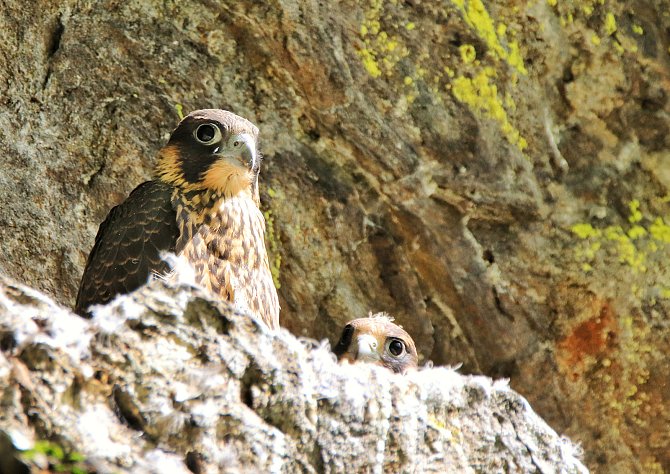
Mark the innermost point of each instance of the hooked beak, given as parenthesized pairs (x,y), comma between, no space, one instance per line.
(241,147)
(368,348)
(249,153)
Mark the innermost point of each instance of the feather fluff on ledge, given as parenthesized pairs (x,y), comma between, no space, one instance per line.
(167,379)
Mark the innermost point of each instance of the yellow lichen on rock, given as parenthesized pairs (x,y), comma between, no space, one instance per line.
(635,214)
(272,243)
(468,53)
(602,20)
(638,246)
(610,24)
(475,15)
(370,62)
(382,51)
(612,354)
(660,231)
(384,48)
(480,93)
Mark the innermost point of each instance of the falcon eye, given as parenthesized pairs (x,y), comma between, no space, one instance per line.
(207,133)
(237,143)
(396,347)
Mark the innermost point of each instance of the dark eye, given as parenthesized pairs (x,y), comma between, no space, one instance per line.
(396,347)
(237,143)
(207,133)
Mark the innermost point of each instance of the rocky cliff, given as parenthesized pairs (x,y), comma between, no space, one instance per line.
(493,174)
(168,380)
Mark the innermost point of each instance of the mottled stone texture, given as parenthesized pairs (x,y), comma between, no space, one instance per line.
(494,175)
(168,380)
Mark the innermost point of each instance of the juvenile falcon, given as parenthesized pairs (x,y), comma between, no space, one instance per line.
(377,340)
(203,207)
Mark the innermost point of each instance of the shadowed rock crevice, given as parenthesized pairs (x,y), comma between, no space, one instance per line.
(127,410)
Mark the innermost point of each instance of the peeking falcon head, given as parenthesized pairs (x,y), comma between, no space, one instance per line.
(213,150)
(377,340)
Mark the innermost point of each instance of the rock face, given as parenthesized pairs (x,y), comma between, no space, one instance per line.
(494,175)
(169,380)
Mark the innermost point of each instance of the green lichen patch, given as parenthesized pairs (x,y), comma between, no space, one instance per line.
(468,53)
(480,93)
(601,15)
(386,30)
(623,378)
(382,50)
(639,245)
(180,111)
(612,354)
(477,17)
(610,24)
(58,459)
(273,244)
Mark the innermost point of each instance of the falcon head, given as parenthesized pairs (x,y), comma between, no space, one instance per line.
(377,340)
(212,150)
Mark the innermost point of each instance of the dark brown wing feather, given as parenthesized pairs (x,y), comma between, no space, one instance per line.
(128,246)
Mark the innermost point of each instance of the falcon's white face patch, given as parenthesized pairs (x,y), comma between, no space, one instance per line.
(368,348)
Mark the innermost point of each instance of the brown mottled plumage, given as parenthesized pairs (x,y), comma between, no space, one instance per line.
(203,207)
(377,340)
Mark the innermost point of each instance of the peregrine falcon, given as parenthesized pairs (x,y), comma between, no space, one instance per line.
(203,206)
(377,340)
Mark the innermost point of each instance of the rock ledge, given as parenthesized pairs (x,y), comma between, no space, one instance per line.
(169,380)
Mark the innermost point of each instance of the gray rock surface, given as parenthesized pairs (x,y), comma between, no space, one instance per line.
(167,380)
(493,174)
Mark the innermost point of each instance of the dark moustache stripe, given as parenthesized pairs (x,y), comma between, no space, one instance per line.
(345,340)
(195,160)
